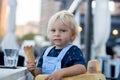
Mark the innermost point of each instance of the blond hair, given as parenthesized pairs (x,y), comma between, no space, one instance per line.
(67,19)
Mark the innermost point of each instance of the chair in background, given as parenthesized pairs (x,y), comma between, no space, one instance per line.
(21,60)
(118,76)
(1,58)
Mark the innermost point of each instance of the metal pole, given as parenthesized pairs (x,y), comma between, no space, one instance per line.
(88,30)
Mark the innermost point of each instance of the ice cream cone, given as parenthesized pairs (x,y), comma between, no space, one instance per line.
(29,53)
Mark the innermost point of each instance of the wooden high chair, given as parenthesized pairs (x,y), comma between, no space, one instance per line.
(93,73)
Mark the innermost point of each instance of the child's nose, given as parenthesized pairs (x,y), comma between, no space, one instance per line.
(57,33)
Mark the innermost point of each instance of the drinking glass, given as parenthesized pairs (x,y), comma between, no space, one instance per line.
(11,57)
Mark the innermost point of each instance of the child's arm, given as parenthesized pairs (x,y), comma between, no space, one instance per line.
(69,71)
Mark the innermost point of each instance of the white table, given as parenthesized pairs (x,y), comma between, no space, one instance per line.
(14,74)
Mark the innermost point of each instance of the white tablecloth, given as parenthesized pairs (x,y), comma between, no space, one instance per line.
(20,73)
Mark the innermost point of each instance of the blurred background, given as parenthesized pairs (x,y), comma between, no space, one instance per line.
(24,22)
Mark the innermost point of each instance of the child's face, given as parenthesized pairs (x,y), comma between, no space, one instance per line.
(60,35)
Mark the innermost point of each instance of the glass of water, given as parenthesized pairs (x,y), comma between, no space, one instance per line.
(11,57)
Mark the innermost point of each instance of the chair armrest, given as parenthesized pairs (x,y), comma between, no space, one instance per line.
(86,76)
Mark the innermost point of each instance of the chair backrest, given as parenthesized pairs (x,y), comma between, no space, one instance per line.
(93,73)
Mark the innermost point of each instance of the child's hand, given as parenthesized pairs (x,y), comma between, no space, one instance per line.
(31,66)
(55,76)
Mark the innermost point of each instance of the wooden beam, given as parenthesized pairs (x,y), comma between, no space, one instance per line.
(3,19)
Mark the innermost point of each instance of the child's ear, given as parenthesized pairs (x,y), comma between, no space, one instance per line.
(72,37)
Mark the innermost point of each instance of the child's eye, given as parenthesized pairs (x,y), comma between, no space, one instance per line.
(62,30)
(52,30)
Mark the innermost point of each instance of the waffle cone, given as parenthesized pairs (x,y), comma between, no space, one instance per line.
(29,53)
